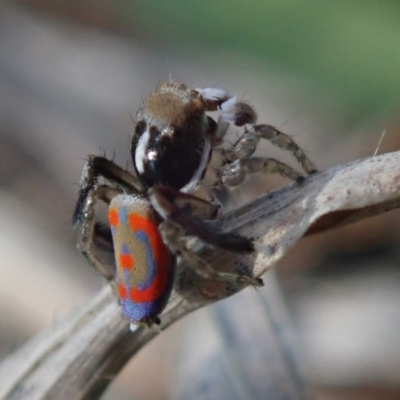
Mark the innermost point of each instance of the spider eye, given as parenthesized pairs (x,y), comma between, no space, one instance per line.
(168,131)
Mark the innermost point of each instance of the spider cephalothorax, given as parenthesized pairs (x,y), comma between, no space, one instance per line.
(172,124)
(152,210)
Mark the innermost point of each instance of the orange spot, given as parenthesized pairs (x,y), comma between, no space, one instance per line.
(126,261)
(122,292)
(113,217)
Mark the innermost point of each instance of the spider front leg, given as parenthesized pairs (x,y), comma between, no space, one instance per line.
(89,232)
(98,166)
(183,215)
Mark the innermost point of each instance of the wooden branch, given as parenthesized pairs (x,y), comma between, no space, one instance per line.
(76,358)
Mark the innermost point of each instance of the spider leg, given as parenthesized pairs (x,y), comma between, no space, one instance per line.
(98,166)
(233,164)
(90,233)
(247,144)
(233,174)
(181,220)
(240,114)
(172,235)
(168,200)
(102,237)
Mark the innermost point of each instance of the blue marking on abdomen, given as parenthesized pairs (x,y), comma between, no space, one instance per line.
(125,249)
(123,215)
(150,261)
(139,311)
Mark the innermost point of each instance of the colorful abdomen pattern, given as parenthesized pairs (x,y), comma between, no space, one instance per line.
(145,266)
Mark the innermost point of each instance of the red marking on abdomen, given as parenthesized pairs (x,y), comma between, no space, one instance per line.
(122,291)
(162,258)
(126,261)
(113,217)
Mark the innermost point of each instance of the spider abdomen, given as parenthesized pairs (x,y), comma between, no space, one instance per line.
(144,265)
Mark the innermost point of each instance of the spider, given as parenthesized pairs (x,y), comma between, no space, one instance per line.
(153,209)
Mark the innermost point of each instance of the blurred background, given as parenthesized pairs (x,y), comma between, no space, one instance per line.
(72,73)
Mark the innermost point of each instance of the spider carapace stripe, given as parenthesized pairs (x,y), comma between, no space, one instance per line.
(145,266)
